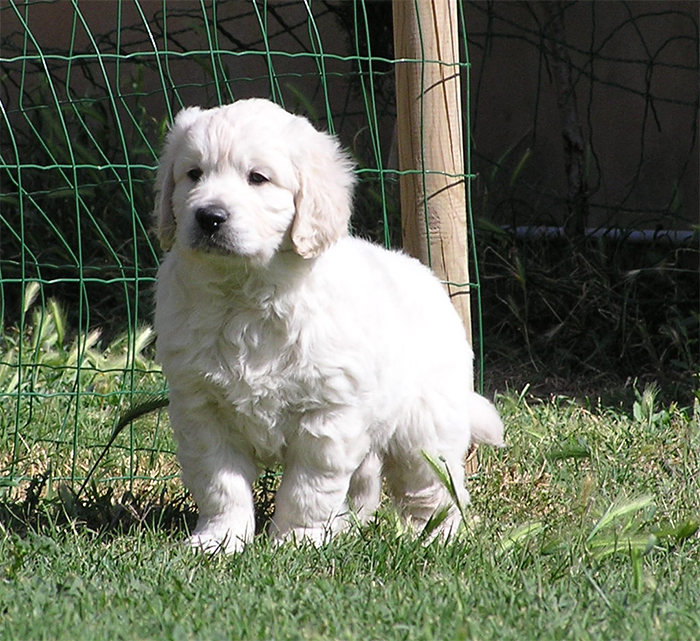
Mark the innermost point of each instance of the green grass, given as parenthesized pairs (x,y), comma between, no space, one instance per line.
(585,527)
(58,585)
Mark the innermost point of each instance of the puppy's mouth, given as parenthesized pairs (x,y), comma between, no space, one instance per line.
(210,246)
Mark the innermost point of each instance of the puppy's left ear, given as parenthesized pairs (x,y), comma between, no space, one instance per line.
(324,200)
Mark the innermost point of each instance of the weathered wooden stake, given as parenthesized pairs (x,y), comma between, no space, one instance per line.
(431,147)
(429,114)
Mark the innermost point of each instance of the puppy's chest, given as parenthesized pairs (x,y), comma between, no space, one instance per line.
(259,363)
(255,363)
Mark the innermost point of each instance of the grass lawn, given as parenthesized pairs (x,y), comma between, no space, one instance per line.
(583,528)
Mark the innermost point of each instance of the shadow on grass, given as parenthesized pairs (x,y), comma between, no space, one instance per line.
(97,511)
(108,514)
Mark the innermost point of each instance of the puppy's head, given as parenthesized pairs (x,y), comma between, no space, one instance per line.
(250,179)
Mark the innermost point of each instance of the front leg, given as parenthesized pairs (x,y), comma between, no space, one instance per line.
(311,503)
(219,478)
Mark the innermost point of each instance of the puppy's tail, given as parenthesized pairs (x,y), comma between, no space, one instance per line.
(486,424)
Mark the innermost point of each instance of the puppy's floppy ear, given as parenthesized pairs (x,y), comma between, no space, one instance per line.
(324,200)
(163,212)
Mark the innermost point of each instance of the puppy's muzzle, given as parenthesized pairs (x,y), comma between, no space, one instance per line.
(210,219)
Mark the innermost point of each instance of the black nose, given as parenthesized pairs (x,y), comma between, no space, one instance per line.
(211,218)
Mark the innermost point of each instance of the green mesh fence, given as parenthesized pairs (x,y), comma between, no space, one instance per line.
(88,90)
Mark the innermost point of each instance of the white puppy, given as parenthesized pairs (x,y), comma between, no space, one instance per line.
(285,340)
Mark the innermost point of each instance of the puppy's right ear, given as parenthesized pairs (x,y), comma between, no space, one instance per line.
(166,225)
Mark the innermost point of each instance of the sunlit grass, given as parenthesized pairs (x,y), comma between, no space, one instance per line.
(584,527)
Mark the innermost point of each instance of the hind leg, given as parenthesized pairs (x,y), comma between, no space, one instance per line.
(419,493)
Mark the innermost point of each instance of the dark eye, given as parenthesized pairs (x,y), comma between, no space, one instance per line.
(194,174)
(256,178)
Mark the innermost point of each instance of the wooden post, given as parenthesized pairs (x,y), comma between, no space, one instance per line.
(431,147)
(430,142)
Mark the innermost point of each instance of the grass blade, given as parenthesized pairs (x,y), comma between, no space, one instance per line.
(619,509)
(155,402)
(520,534)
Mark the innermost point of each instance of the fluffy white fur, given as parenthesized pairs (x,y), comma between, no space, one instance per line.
(286,340)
